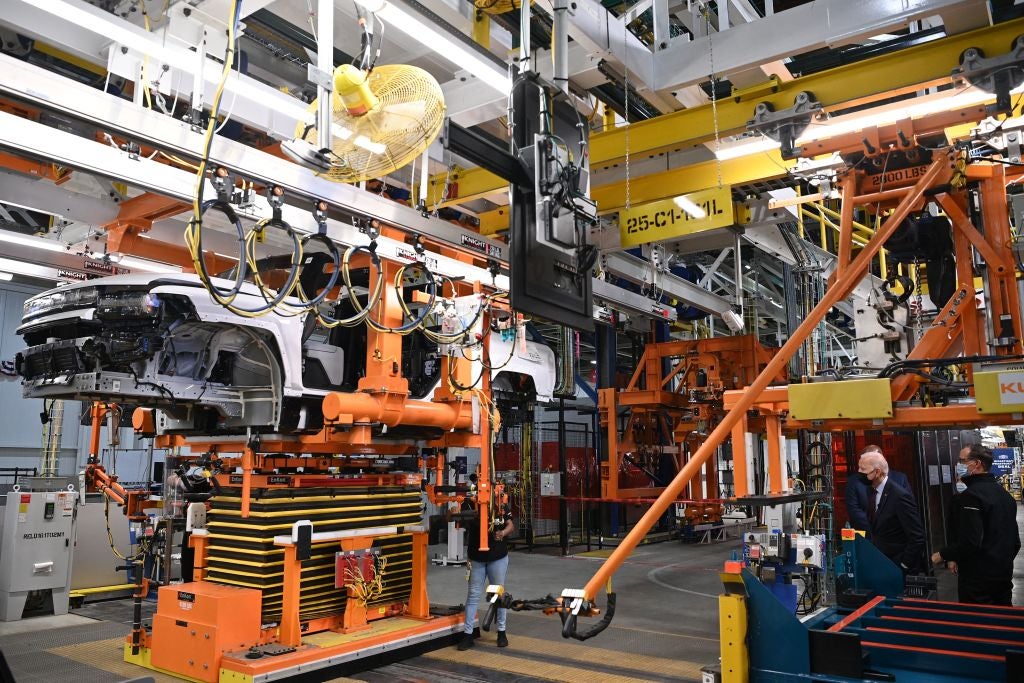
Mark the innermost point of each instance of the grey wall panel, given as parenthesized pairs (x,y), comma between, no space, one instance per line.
(21,430)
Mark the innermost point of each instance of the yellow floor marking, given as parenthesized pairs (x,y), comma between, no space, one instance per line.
(597,553)
(560,649)
(537,615)
(377,628)
(489,658)
(106,656)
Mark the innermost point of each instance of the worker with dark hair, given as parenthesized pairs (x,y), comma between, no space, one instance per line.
(986,538)
(857,493)
(485,568)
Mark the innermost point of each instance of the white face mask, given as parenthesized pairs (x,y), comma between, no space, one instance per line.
(960,487)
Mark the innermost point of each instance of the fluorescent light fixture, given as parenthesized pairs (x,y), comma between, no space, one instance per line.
(440,42)
(690,207)
(889,114)
(93,19)
(10,266)
(850,123)
(369,145)
(147,265)
(745,147)
(6,277)
(32,241)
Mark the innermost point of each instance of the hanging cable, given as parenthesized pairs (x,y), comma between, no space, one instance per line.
(193,232)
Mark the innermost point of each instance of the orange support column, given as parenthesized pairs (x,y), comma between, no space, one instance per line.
(198,543)
(247,458)
(1004,297)
(844,245)
(290,629)
(384,349)
(711,484)
(739,458)
(973,326)
(419,602)
(606,417)
(773,427)
(99,410)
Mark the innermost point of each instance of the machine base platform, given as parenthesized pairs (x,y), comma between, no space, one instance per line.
(326,649)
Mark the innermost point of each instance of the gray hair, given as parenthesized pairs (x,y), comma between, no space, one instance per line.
(876,460)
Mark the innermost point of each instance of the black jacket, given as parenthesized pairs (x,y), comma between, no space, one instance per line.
(985,537)
(495,549)
(857,497)
(897,530)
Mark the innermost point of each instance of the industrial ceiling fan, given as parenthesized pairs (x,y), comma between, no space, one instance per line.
(382,118)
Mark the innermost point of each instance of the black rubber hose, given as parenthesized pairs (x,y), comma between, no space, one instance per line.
(569,622)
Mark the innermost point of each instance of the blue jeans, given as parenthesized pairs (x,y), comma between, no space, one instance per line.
(481,575)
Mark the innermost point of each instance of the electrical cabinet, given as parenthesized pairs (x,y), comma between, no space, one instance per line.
(550,484)
(37,541)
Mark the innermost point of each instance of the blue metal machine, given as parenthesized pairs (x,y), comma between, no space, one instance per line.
(888,637)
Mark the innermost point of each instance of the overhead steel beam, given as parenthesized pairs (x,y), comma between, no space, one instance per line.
(898,72)
(605,37)
(630,303)
(485,153)
(254,103)
(611,197)
(34,140)
(31,84)
(43,195)
(638,271)
(824,23)
(904,71)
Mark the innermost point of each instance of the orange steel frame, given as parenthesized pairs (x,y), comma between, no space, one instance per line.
(959,323)
(347,441)
(690,406)
(98,480)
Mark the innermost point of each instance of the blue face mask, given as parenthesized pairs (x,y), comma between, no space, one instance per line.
(961,469)
(961,487)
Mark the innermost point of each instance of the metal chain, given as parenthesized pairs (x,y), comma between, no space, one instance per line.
(444,192)
(714,91)
(625,86)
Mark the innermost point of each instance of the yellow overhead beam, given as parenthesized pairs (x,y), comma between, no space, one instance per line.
(902,71)
(463,185)
(70,58)
(665,184)
(493,222)
(668,184)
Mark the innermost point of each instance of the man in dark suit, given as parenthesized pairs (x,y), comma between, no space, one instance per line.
(857,493)
(894,523)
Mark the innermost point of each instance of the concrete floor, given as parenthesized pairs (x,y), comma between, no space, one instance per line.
(665,627)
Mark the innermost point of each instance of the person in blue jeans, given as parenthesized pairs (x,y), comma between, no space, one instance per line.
(486,568)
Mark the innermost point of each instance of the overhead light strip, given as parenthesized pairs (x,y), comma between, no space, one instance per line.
(126,35)
(445,45)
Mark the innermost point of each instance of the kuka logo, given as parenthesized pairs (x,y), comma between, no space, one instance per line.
(1011,388)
